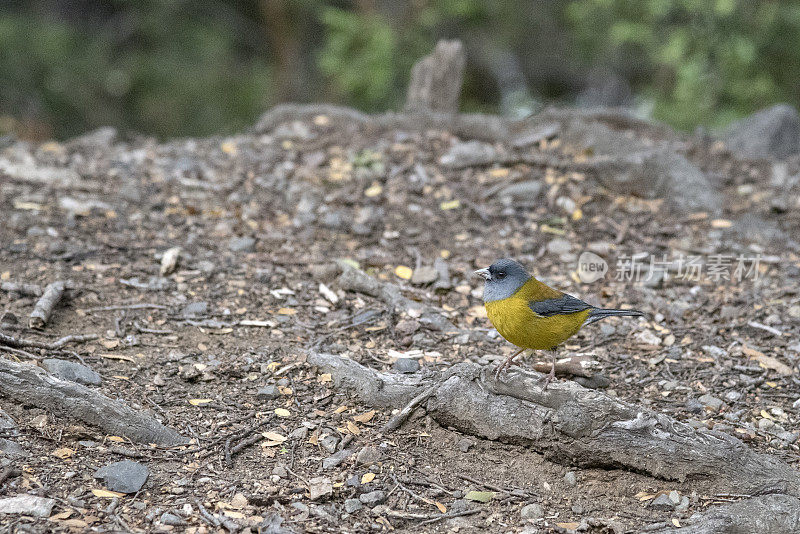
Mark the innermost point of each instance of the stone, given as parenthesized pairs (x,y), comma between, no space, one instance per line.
(406,365)
(126,476)
(72,371)
(27,505)
(570,478)
(528,190)
(469,154)
(171,520)
(368,455)
(733,396)
(765,424)
(465,444)
(12,449)
(352,505)
(336,458)
(269,392)
(406,327)
(711,403)
(373,498)
(559,246)
(773,132)
(532,512)
(694,406)
(329,443)
(319,487)
(424,275)
(662,502)
(195,309)
(242,244)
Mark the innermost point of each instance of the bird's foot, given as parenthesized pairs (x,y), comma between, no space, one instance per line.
(546,379)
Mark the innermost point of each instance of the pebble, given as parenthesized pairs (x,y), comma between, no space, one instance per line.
(171,520)
(694,406)
(733,396)
(242,244)
(319,487)
(532,511)
(72,371)
(559,246)
(662,502)
(714,351)
(368,455)
(373,498)
(406,327)
(299,433)
(126,476)
(268,392)
(194,309)
(471,153)
(528,190)
(352,505)
(570,478)
(710,402)
(465,444)
(280,471)
(12,449)
(406,365)
(424,275)
(27,505)
(765,424)
(329,443)
(336,459)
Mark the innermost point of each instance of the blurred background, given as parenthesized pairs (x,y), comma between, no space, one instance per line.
(199,67)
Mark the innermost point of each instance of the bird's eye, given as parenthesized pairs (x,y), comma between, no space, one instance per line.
(501,275)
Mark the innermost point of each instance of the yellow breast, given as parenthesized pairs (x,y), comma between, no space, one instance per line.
(516,322)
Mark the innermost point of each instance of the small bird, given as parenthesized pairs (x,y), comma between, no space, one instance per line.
(532,315)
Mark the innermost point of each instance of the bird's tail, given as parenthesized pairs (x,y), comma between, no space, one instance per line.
(601,313)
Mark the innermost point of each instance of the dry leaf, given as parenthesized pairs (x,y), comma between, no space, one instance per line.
(107,494)
(110,343)
(274,437)
(568,526)
(60,516)
(352,428)
(374,190)
(287,311)
(282,412)
(401,271)
(676,522)
(116,439)
(63,453)
(199,402)
(767,362)
(75,523)
(450,205)
(233,514)
(367,478)
(325,377)
(365,417)
(118,357)
(442,508)
(340,409)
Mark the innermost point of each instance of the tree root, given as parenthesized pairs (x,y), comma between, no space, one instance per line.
(571,425)
(33,385)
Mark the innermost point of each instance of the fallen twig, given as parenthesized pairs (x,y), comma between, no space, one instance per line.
(44,306)
(10,341)
(28,290)
(136,306)
(400,418)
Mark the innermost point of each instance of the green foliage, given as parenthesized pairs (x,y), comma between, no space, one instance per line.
(703,62)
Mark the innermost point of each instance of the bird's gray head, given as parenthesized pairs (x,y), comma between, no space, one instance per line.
(503,278)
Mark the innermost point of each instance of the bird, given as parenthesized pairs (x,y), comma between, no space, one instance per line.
(532,315)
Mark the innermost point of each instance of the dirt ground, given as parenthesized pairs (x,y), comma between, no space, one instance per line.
(238,315)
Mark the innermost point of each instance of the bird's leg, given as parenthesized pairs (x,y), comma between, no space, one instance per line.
(549,377)
(506,364)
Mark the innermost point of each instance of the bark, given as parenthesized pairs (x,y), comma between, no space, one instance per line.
(44,306)
(571,425)
(436,80)
(33,385)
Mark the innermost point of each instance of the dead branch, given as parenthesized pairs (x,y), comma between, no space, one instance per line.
(767,514)
(353,279)
(27,290)
(34,386)
(436,79)
(571,425)
(44,306)
(10,341)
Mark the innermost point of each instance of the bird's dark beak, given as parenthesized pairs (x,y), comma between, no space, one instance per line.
(483,273)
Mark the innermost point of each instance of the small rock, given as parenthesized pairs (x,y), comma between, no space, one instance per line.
(694,406)
(352,505)
(269,392)
(765,424)
(373,498)
(465,444)
(242,244)
(329,443)
(171,519)
(607,329)
(72,371)
(675,497)
(733,396)
(469,154)
(280,471)
(299,433)
(714,351)
(711,403)
(12,449)
(570,478)
(532,512)
(662,502)
(319,487)
(771,132)
(406,327)
(368,455)
(406,365)
(195,309)
(27,505)
(126,476)
(684,504)
(336,459)
(559,246)
(424,276)
(353,482)
(522,191)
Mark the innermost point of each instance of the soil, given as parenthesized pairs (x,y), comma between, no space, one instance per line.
(311,193)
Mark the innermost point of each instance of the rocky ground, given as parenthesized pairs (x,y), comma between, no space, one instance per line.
(207,270)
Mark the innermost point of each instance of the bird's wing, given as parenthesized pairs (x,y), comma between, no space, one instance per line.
(558,306)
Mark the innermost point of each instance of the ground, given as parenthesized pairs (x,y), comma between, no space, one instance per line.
(312,192)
